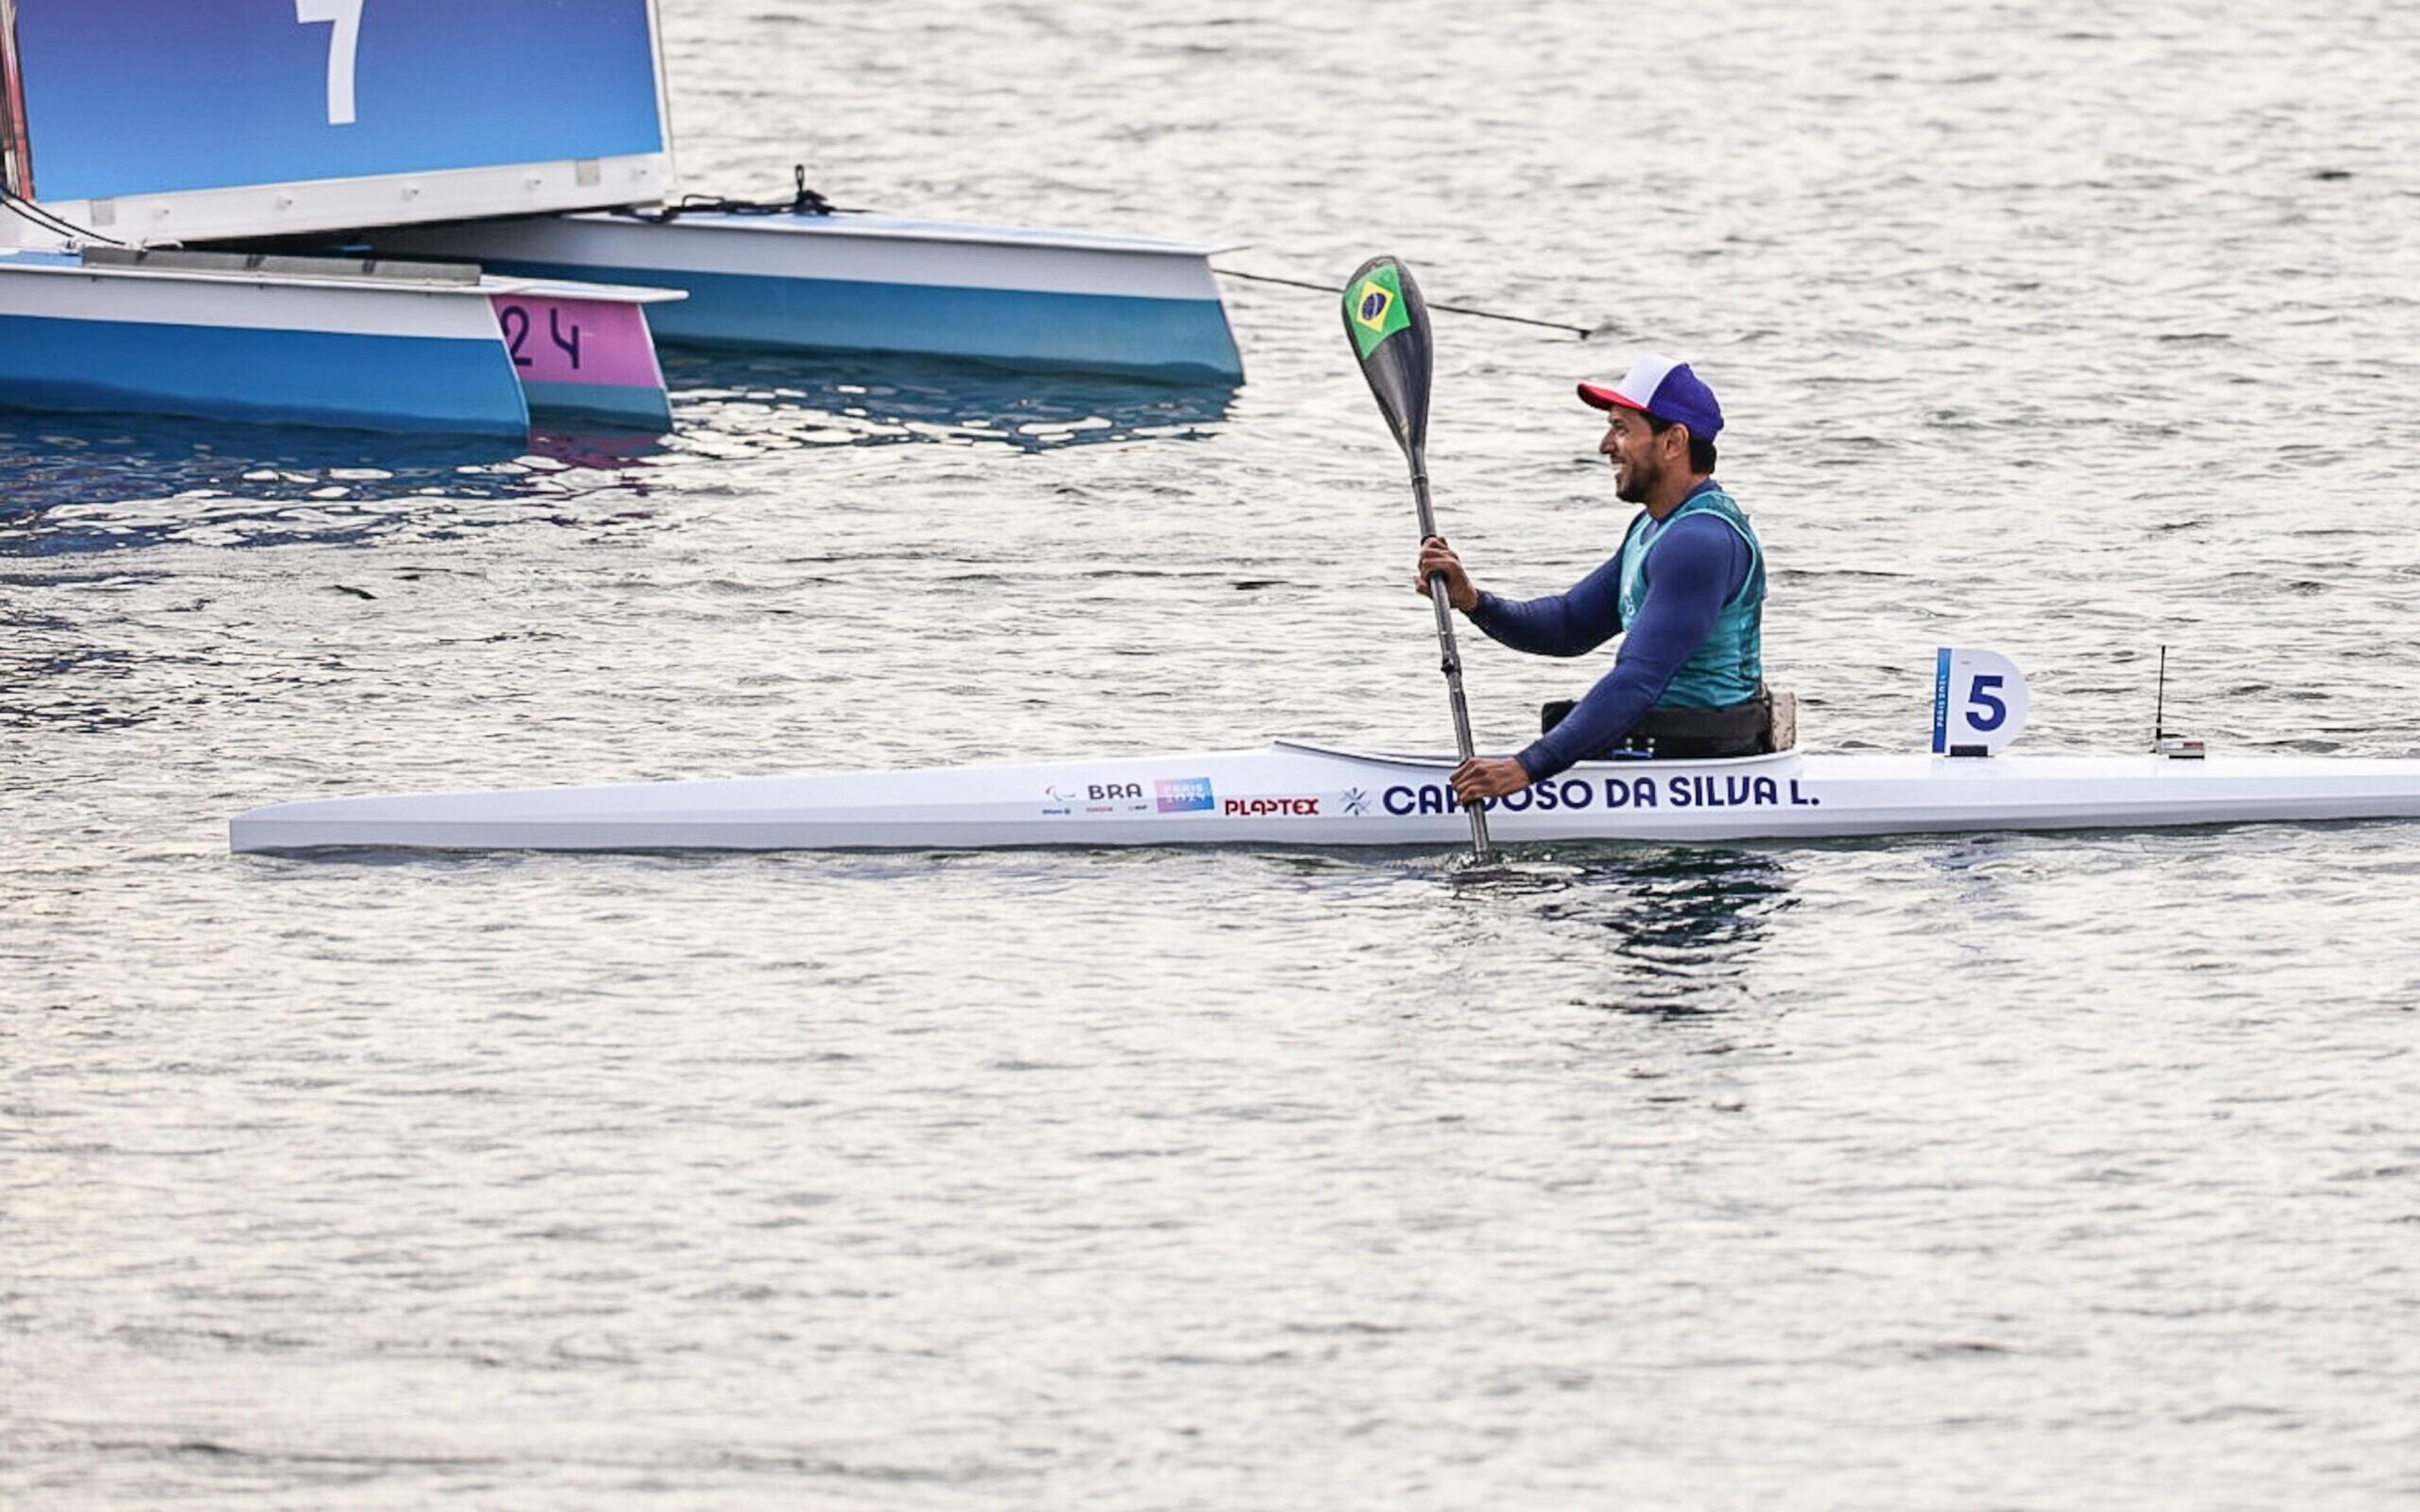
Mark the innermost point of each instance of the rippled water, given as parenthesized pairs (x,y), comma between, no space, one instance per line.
(1983,1171)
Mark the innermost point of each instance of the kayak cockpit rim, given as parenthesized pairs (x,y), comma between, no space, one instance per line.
(1449,762)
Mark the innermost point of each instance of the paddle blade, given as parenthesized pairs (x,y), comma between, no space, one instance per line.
(1389,324)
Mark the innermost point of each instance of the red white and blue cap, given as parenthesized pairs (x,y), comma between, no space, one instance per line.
(1663,387)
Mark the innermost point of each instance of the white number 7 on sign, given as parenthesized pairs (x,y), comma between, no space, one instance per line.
(344,41)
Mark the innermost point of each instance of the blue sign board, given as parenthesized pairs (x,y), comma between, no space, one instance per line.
(163,96)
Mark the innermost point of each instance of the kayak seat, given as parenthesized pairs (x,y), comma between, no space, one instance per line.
(1752,727)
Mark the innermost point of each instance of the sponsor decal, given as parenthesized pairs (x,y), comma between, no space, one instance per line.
(1271,808)
(1356,802)
(1183,795)
(1096,798)
(1115,798)
(1720,791)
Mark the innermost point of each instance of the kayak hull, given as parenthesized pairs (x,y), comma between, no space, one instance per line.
(1293,793)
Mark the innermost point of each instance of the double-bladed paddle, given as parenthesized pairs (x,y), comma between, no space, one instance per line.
(1389,329)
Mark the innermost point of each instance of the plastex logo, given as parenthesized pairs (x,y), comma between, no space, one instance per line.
(1271,808)
(1185,795)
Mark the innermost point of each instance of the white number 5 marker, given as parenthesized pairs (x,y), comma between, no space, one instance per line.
(344,41)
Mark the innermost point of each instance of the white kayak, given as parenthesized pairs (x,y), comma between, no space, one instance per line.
(1293,793)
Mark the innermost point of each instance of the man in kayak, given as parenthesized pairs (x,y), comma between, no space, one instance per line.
(1685,593)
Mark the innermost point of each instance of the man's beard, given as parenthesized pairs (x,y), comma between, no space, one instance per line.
(1640,484)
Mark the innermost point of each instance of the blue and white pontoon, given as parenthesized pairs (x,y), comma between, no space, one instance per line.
(840,281)
(318,341)
(281,126)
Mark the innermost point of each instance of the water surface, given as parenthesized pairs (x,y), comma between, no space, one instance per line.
(1978,1172)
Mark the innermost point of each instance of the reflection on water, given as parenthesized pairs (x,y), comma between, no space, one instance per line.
(49,681)
(1685,926)
(85,483)
(741,403)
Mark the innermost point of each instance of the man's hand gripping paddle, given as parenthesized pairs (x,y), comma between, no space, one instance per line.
(1390,330)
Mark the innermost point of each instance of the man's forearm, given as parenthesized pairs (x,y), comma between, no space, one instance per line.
(1569,624)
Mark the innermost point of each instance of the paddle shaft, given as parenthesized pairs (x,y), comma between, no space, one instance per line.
(1388,327)
(1449,656)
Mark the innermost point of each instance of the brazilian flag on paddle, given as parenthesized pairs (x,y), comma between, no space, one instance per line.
(1375,306)
(1389,323)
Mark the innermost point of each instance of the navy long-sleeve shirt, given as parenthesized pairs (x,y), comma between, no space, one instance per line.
(1692,573)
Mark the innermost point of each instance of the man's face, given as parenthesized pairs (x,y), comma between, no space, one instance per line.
(1635,451)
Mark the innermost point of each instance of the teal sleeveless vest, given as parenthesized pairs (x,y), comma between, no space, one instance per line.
(1729,666)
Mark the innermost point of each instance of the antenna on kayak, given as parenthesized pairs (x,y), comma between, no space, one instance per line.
(2159,702)
(2162,742)
(1390,330)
